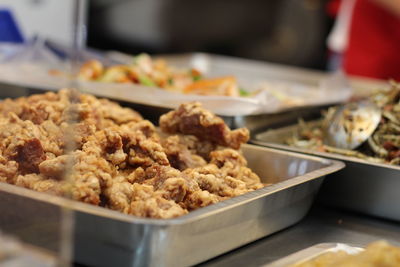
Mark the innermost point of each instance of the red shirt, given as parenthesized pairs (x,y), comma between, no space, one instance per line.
(374,42)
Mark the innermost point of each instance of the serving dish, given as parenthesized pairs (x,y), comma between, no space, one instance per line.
(238,112)
(363,186)
(104,237)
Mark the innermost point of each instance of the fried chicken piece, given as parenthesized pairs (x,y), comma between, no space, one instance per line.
(136,143)
(29,155)
(52,140)
(119,194)
(36,113)
(174,185)
(232,163)
(38,108)
(91,172)
(38,183)
(138,175)
(113,146)
(175,189)
(199,199)
(179,155)
(221,157)
(148,203)
(170,182)
(193,119)
(55,168)
(87,177)
(144,127)
(145,152)
(27,143)
(226,175)
(156,174)
(8,170)
(81,132)
(199,147)
(211,179)
(110,110)
(202,148)
(243,174)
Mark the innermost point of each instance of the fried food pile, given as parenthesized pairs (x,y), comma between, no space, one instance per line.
(114,158)
(379,253)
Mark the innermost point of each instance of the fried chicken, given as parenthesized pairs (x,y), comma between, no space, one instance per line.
(180,154)
(94,151)
(193,119)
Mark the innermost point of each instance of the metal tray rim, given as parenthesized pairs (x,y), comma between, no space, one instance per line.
(330,166)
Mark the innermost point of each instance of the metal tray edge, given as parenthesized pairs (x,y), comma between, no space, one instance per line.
(330,167)
(321,154)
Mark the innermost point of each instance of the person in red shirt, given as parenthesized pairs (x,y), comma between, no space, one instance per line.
(373,44)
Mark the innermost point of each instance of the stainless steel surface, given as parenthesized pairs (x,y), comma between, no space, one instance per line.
(313,252)
(352,124)
(363,186)
(321,225)
(104,237)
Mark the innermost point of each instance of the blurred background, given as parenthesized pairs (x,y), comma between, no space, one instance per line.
(290,32)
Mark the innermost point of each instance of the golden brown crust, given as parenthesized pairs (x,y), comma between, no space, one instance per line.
(193,119)
(94,151)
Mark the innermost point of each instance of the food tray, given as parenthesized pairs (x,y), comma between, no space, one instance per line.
(248,72)
(108,238)
(313,252)
(363,186)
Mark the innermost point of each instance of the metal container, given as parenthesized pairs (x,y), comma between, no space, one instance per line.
(313,252)
(247,72)
(250,72)
(363,186)
(108,238)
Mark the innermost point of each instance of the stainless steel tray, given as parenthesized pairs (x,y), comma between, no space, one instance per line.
(313,252)
(251,72)
(363,186)
(108,238)
(246,71)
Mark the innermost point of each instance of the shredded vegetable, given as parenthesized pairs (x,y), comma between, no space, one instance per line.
(382,146)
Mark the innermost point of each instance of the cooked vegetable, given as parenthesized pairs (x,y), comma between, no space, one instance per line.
(156,73)
(382,146)
(217,86)
(243,92)
(145,80)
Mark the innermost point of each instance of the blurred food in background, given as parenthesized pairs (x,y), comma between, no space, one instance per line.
(147,71)
(378,253)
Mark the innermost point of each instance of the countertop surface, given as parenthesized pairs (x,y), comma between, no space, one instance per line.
(321,225)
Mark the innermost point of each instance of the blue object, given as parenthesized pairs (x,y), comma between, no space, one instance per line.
(9,31)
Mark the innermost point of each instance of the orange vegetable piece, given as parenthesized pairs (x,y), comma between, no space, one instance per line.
(226,86)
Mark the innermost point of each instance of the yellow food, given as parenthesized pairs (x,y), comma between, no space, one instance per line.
(377,254)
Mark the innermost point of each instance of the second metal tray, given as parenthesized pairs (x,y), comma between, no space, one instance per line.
(363,186)
(108,238)
(313,252)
